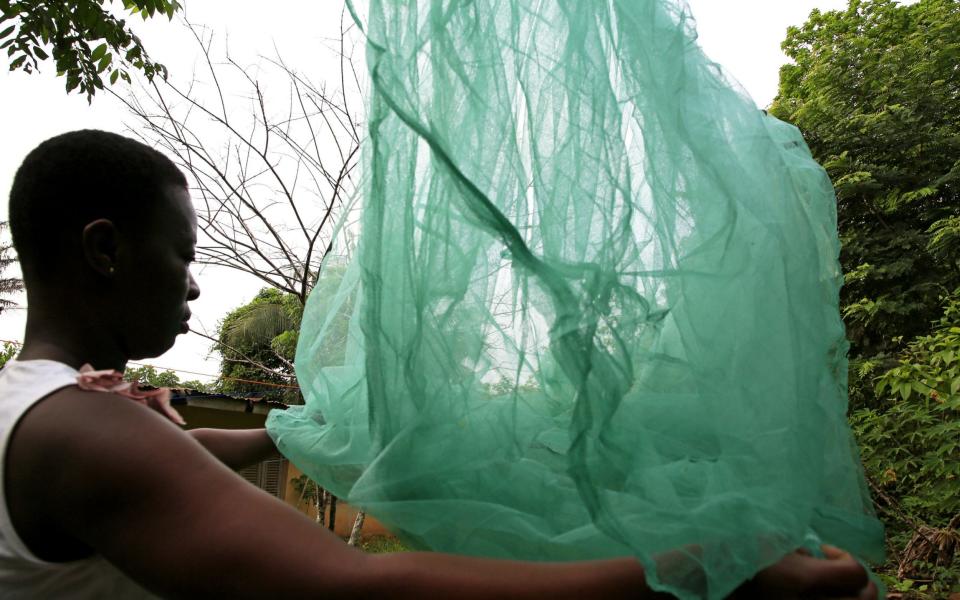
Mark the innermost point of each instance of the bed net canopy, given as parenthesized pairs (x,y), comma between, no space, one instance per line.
(593,308)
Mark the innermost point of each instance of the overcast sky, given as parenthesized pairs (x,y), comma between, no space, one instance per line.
(743,36)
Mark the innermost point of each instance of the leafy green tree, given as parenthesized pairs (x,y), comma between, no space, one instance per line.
(84,40)
(148,375)
(876,91)
(910,444)
(197,385)
(257,342)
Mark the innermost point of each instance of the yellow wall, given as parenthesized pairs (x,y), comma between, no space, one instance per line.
(197,417)
(230,414)
(345,513)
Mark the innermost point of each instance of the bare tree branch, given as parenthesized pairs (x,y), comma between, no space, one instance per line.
(268,193)
(268,187)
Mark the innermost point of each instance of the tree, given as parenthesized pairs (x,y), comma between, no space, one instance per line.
(875,89)
(310,492)
(35,30)
(269,182)
(910,444)
(876,92)
(148,375)
(354,538)
(257,342)
(8,285)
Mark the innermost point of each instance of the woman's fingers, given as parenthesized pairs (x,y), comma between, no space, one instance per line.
(838,576)
(870,592)
(834,553)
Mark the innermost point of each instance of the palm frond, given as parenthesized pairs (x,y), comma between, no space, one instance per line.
(260,324)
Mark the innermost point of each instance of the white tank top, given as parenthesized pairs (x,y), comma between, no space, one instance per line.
(23,575)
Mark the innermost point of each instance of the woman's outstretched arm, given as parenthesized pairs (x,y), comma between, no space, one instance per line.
(127,483)
(236,448)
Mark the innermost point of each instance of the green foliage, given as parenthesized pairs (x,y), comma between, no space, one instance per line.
(876,92)
(8,352)
(334,341)
(504,386)
(307,490)
(910,442)
(382,544)
(196,384)
(84,40)
(258,343)
(148,375)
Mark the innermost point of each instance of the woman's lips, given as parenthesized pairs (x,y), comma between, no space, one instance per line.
(184,327)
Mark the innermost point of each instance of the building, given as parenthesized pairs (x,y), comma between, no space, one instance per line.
(277,477)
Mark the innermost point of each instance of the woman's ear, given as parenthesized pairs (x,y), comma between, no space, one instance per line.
(99,244)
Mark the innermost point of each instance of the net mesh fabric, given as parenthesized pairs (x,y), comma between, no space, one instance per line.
(593,310)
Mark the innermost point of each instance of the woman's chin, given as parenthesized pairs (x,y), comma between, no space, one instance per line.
(153,351)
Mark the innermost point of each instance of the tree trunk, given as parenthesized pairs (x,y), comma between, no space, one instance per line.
(357,527)
(333,512)
(321,502)
(303,492)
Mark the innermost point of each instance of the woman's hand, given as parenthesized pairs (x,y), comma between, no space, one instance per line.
(799,576)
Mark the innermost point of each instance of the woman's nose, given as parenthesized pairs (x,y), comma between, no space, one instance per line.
(193,292)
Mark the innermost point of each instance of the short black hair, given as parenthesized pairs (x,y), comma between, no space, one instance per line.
(75,178)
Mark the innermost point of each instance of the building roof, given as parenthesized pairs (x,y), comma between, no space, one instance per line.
(249,404)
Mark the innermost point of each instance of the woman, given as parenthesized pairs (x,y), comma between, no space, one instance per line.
(105,498)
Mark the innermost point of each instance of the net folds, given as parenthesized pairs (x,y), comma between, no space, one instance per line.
(593,309)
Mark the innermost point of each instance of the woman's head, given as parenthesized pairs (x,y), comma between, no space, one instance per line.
(103,224)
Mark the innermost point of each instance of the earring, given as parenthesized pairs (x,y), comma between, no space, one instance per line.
(110,270)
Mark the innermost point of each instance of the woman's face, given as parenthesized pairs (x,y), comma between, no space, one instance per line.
(155,270)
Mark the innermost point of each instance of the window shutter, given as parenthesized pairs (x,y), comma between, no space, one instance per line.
(251,474)
(267,475)
(271,470)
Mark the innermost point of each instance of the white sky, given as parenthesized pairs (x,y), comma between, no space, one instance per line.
(742,35)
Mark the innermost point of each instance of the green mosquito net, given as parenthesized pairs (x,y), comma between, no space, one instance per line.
(593,307)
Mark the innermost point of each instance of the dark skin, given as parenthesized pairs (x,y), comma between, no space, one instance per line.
(92,472)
